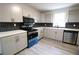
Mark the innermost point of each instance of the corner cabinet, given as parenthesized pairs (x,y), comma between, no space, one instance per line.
(14,43)
(10,13)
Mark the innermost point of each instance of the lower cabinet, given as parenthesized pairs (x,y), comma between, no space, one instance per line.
(52,33)
(49,33)
(56,34)
(78,39)
(14,43)
(0,48)
(45,33)
(59,34)
(21,41)
(8,45)
(40,33)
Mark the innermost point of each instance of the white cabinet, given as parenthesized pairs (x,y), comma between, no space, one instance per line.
(73,15)
(17,13)
(25,11)
(78,39)
(14,43)
(40,33)
(1,13)
(10,13)
(59,34)
(0,48)
(5,13)
(49,33)
(46,17)
(53,33)
(31,12)
(21,41)
(45,33)
(8,45)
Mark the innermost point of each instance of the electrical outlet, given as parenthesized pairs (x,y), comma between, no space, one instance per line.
(14,25)
(74,25)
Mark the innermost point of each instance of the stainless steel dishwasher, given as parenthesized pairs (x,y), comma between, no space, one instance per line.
(70,37)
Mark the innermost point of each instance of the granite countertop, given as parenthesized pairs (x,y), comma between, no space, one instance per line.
(8,33)
(70,29)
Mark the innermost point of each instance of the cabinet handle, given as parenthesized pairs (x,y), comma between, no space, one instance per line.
(17,39)
(12,19)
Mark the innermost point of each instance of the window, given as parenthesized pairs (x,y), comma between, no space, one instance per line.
(59,19)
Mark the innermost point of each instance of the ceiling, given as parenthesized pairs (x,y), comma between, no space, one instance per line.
(50,6)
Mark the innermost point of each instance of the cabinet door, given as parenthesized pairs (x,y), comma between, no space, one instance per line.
(16,13)
(39,33)
(25,12)
(46,17)
(78,39)
(21,41)
(59,35)
(10,13)
(8,45)
(52,33)
(42,32)
(74,15)
(48,33)
(0,48)
(1,13)
(45,33)
(5,13)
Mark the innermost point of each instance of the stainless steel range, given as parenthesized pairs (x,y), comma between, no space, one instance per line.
(32,33)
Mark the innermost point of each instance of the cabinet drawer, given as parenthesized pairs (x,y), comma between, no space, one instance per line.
(22,35)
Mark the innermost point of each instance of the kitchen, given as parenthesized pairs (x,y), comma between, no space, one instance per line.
(31,28)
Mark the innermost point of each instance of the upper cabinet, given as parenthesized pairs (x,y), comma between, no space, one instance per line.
(46,17)
(31,12)
(25,11)
(10,13)
(17,13)
(73,15)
